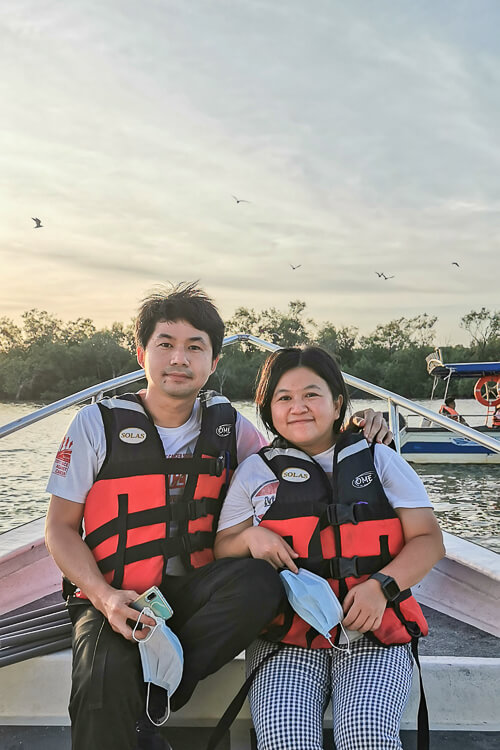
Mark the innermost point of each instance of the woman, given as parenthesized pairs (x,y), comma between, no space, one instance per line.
(323,499)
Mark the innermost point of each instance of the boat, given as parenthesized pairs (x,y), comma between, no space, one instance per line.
(460,660)
(429,443)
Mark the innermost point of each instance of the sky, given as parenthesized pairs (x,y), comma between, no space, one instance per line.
(365,137)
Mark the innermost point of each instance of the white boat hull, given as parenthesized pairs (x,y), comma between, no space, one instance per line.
(430,445)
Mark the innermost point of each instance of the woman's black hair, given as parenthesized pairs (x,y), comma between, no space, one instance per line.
(283,360)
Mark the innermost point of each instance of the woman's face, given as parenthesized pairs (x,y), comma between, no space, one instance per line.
(304,411)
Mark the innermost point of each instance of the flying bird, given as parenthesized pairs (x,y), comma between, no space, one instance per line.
(454,263)
(387,277)
(37,222)
(379,274)
(383,276)
(294,267)
(240,200)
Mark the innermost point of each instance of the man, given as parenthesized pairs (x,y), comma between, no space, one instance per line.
(449,410)
(142,530)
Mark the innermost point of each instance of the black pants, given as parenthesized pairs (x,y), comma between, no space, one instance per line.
(218,610)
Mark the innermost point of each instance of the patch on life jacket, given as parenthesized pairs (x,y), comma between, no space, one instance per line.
(363,480)
(132,435)
(223,430)
(293,474)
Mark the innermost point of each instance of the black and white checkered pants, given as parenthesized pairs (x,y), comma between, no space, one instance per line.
(368,689)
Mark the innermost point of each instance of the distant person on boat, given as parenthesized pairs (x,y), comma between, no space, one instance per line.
(449,409)
(146,473)
(355,514)
(495,421)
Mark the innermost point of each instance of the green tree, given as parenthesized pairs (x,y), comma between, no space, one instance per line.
(483,327)
(39,325)
(283,328)
(338,341)
(402,333)
(11,336)
(77,331)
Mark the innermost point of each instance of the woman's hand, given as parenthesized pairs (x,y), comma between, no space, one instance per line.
(364,606)
(264,544)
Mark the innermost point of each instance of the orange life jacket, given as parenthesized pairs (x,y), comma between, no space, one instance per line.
(128,512)
(343,530)
(449,412)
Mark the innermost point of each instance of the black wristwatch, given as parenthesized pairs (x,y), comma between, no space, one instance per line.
(390,588)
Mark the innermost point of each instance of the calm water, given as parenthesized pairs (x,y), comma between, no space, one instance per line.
(466,498)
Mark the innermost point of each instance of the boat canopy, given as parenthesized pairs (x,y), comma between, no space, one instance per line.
(438,369)
(467,370)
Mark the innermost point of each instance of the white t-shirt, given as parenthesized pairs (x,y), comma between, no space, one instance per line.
(253,490)
(83,450)
(253,487)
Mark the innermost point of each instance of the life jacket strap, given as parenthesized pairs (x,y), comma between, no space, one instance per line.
(165,547)
(134,521)
(180,511)
(344,567)
(236,704)
(339,513)
(211,466)
(194,509)
(423,738)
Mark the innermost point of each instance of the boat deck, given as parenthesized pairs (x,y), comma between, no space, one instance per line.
(448,638)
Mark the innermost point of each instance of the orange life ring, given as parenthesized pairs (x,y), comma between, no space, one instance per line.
(486,399)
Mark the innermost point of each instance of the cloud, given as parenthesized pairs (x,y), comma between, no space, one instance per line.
(363,140)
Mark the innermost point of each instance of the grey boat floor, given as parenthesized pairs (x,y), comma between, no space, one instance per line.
(194,738)
(447,637)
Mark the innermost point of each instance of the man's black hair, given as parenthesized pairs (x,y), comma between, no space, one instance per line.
(183,301)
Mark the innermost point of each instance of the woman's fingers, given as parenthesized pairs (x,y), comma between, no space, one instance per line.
(285,561)
(268,545)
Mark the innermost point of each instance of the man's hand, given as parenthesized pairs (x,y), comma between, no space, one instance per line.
(115,608)
(364,606)
(264,544)
(375,428)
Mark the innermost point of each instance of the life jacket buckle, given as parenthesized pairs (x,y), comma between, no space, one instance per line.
(343,567)
(193,542)
(196,509)
(340,513)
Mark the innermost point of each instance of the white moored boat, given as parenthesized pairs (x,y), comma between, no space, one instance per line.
(430,444)
(460,659)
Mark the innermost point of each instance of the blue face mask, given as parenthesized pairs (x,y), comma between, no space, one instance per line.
(314,601)
(162,660)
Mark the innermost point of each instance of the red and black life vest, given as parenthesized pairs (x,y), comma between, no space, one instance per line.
(128,511)
(343,530)
(449,412)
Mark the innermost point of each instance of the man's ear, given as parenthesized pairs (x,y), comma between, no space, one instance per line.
(139,353)
(214,365)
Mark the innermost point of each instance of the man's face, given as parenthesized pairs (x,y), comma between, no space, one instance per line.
(177,359)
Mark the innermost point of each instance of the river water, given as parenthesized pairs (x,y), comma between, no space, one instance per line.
(466,498)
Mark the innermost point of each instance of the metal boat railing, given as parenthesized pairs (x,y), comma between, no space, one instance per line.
(394,401)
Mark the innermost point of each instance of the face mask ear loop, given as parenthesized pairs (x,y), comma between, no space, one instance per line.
(347,648)
(167,713)
(151,628)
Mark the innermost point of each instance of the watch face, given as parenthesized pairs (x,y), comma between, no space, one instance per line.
(391,589)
